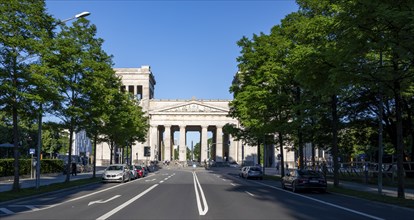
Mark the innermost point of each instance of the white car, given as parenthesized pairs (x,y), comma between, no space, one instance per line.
(116,173)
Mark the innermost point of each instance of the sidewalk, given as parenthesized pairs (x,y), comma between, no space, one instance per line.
(6,184)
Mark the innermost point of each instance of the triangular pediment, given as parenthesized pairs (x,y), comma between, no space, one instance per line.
(193,107)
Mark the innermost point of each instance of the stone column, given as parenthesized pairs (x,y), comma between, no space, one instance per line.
(153,142)
(167,143)
(232,150)
(204,143)
(182,151)
(219,144)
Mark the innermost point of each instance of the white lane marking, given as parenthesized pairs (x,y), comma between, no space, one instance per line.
(250,194)
(150,180)
(78,198)
(105,201)
(32,208)
(233,184)
(118,208)
(6,211)
(326,203)
(199,190)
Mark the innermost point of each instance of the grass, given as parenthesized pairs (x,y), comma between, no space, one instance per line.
(409,203)
(26,192)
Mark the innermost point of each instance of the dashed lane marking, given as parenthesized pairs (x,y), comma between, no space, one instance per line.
(6,211)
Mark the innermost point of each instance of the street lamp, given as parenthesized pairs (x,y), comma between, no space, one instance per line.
(39,143)
(80,15)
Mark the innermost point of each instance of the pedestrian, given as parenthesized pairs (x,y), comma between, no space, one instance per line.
(324,169)
(74,169)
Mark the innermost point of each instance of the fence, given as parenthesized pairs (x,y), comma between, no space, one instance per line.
(368,170)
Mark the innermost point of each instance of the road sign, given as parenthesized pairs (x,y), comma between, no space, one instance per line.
(32,151)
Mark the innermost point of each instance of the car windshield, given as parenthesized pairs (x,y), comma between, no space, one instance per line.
(138,167)
(309,173)
(115,168)
(255,169)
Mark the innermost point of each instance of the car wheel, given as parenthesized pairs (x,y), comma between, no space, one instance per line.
(283,185)
(123,179)
(322,190)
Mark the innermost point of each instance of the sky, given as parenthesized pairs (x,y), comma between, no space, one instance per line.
(190,45)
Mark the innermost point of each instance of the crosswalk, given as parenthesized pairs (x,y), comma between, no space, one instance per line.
(13,209)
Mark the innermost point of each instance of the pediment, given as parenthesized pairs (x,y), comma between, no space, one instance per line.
(194,107)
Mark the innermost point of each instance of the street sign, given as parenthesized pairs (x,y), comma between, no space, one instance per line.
(32,151)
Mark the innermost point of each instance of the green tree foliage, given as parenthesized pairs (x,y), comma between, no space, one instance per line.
(24,29)
(125,124)
(54,139)
(316,77)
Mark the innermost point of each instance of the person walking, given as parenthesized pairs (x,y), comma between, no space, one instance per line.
(74,169)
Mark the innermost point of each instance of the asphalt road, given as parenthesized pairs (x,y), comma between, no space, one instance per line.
(196,194)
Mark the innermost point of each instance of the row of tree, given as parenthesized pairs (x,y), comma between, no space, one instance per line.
(49,67)
(335,74)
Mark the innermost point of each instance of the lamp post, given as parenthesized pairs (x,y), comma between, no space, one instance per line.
(39,140)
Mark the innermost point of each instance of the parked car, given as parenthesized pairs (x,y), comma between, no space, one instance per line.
(134,172)
(242,170)
(140,170)
(304,180)
(145,170)
(252,172)
(116,173)
(234,164)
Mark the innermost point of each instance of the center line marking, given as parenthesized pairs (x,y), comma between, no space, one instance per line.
(250,194)
(199,190)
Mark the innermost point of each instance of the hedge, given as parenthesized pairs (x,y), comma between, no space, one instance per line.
(46,166)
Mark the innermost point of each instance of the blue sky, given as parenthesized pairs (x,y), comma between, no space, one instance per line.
(191,45)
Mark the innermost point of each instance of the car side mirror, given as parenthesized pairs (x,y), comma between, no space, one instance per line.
(288,174)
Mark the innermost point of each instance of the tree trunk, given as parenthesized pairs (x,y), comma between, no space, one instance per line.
(335,121)
(95,139)
(16,164)
(68,168)
(111,151)
(400,146)
(282,160)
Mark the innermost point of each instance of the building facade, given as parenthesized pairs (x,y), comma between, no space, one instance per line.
(171,120)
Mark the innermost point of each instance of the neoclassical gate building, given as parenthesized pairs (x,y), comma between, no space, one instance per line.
(171,120)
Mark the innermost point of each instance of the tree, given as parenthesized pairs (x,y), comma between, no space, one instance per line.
(379,40)
(101,83)
(24,30)
(125,123)
(74,62)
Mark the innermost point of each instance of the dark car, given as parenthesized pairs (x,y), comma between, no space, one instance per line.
(252,172)
(304,180)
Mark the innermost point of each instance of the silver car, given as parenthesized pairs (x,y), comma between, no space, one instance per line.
(116,173)
(252,172)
